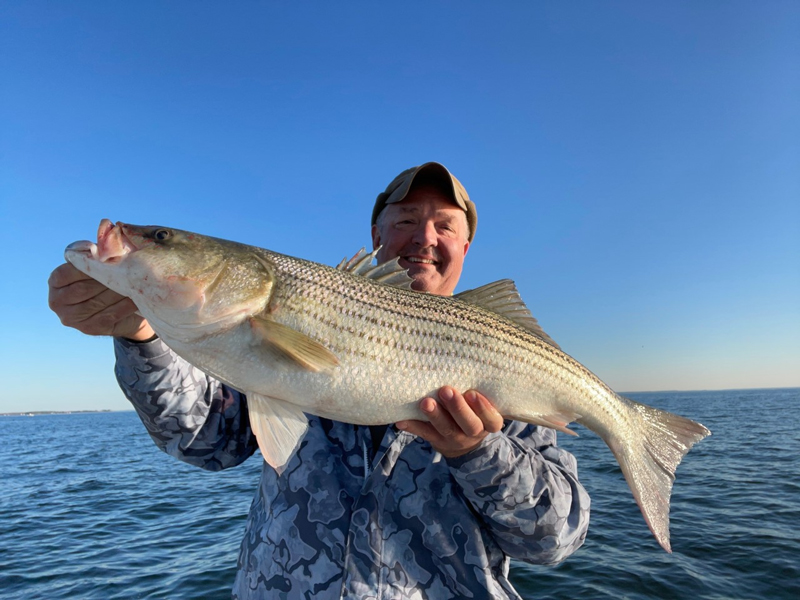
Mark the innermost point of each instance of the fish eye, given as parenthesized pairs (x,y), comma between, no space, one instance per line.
(162,234)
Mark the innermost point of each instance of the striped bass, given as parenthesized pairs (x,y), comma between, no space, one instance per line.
(356,344)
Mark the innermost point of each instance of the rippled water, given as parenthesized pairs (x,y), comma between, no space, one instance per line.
(89,508)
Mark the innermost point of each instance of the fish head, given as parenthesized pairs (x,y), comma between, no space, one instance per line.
(176,278)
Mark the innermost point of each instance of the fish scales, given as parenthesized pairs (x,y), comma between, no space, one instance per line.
(407,323)
(299,337)
(495,343)
(484,324)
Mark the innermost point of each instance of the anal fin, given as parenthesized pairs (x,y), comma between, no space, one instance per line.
(556,421)
(278,427)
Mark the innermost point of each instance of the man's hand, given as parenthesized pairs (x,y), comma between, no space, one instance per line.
(458,423)
(90,307)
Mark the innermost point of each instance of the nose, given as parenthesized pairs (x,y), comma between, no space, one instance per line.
(425,234)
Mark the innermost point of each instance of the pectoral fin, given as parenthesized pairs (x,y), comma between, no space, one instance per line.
(278,427)
(300,348)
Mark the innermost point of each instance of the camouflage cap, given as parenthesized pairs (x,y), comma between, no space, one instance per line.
(434,172)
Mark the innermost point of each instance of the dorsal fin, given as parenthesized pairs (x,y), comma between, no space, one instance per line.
(502,297)
(389,272)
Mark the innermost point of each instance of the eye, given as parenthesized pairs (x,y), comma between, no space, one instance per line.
(162,234)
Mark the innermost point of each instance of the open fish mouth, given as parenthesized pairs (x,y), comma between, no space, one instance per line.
(112,244)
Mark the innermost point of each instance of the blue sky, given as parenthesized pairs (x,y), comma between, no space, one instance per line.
(636,166)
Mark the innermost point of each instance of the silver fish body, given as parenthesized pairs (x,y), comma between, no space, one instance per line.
(388,339)
(300,337)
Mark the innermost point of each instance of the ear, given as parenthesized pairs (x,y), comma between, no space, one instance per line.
(376,237)
(466,247)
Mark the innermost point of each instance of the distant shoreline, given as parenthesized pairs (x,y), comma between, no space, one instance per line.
(36,413)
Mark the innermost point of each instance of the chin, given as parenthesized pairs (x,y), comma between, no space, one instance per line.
(426,285)
(421,284)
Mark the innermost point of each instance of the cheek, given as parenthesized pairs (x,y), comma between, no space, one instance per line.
(390,248)
(455,254)
(181,293)
(173,292)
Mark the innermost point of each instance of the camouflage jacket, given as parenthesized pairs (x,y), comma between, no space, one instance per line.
(343,521)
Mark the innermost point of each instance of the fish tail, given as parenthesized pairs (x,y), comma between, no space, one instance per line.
(649,461)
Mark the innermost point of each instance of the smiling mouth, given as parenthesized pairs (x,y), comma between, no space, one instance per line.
(420,261)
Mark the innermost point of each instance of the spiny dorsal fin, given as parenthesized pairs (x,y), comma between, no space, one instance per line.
(309,354)
(502,297)
(389,272)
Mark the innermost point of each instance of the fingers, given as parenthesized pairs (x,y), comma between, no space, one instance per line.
(100,315)
(456,423)
(452,414)
(90,307)
(67,286)
(422,429)
(64,275)
(485,410)
(75,297)
(85,290)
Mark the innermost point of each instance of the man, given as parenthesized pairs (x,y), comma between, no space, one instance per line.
(417,510)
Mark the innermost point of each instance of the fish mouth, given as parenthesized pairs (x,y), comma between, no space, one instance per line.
(112,244)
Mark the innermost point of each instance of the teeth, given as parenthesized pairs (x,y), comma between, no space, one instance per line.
(425,261)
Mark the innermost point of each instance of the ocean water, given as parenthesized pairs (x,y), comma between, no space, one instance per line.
(90,509)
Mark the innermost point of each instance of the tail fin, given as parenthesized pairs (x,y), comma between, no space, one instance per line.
(649,461)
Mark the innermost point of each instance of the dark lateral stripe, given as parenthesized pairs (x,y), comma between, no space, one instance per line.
(342,292)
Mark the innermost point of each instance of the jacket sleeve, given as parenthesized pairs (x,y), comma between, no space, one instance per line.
(189,415)
(526,490)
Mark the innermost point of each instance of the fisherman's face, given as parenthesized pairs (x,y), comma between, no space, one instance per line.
(430,236)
